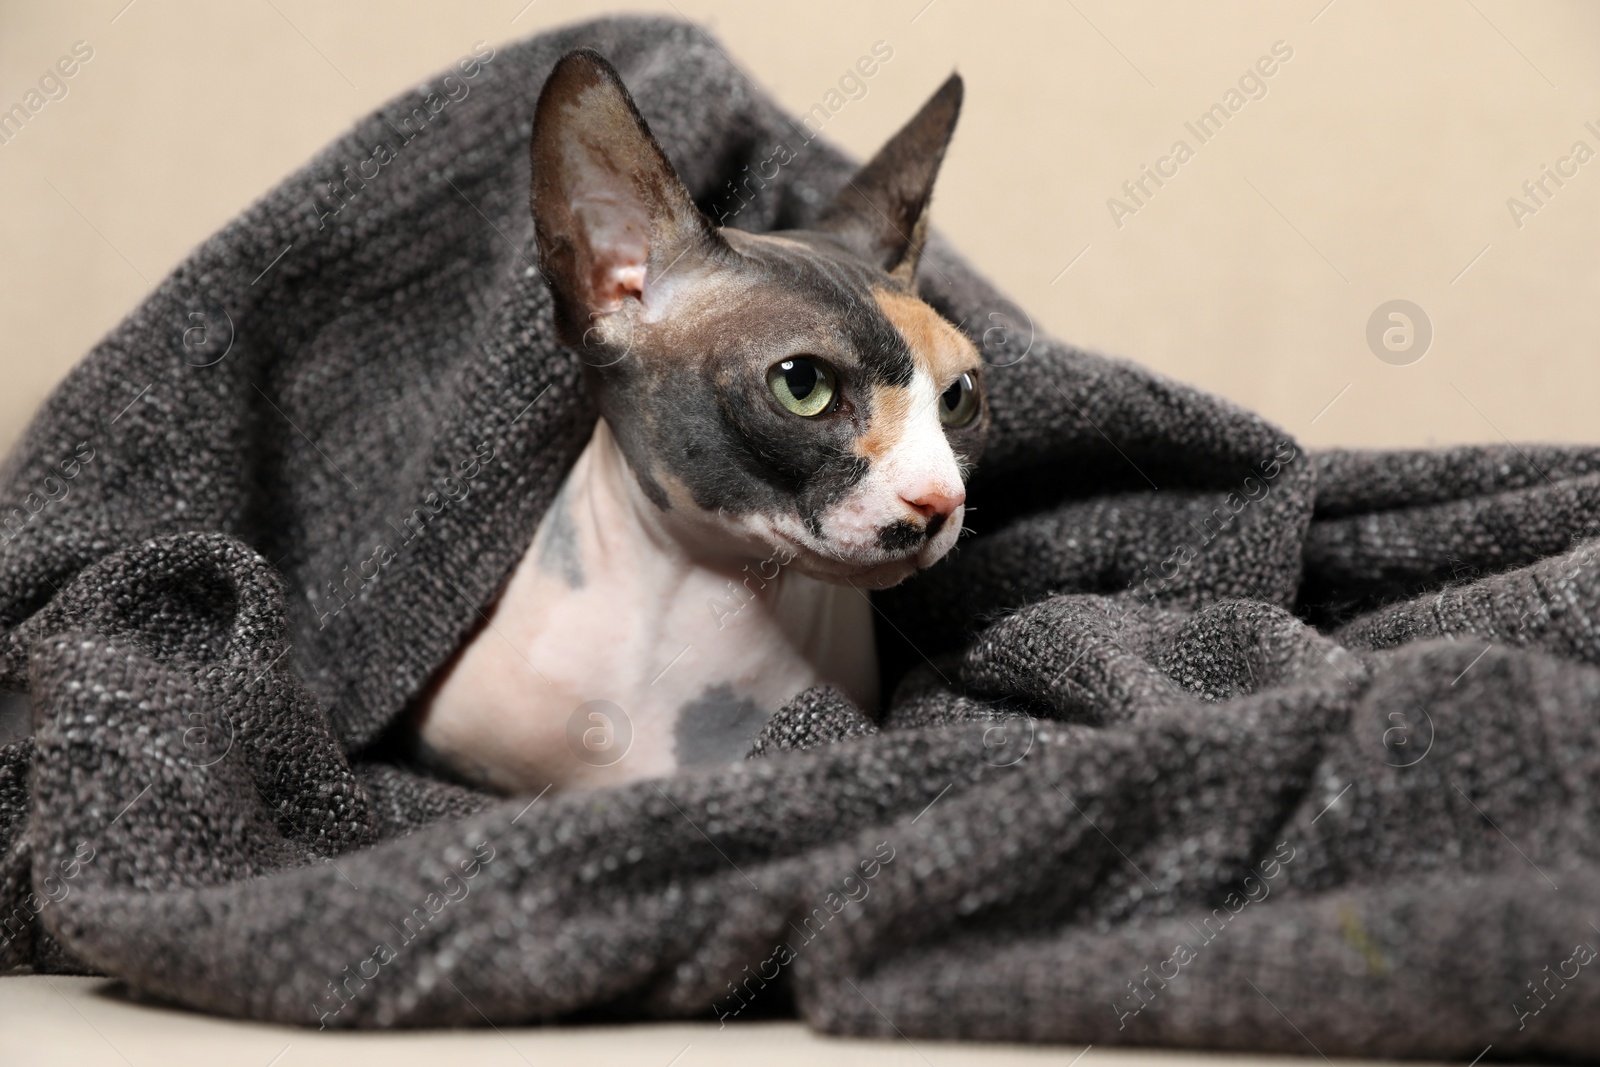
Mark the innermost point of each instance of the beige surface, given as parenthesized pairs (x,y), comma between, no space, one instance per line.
(50,1022)
(1377,166)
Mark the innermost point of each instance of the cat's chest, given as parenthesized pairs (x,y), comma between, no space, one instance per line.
(606,660)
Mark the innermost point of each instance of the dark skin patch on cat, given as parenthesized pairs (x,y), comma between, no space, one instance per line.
(717,727)
(901,535)
(559,553)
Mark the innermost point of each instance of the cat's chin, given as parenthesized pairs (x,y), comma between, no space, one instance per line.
(882,575)
(823,559)
(886,575)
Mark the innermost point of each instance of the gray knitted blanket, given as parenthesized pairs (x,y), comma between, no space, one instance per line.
(1202,740)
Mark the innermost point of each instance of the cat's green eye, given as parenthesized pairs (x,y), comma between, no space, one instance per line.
(958,405)
(803,385)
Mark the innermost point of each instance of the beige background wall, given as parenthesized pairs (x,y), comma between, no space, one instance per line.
(1377,166)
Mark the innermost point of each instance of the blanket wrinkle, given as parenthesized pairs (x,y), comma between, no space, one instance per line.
(1200,739)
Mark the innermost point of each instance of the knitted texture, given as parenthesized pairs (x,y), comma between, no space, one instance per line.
(1199,739)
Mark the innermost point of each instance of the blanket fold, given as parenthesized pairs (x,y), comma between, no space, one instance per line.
(1201,739)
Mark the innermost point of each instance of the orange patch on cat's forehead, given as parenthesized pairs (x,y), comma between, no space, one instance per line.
(938,349)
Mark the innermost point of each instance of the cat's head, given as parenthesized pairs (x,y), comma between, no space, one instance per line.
(782,394)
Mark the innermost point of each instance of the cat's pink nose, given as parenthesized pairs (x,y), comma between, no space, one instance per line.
(935,501)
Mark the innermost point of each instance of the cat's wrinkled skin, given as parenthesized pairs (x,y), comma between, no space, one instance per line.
(709,553)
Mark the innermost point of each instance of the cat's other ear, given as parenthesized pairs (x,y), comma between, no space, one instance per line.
(609,212)
(882,213)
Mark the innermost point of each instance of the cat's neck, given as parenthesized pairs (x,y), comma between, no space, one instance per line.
(615,521)
(688,624)
(734,609)
(606,527)
(674,648)
(616,525)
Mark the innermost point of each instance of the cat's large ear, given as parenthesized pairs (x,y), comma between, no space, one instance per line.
(882,212)
(610,214)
